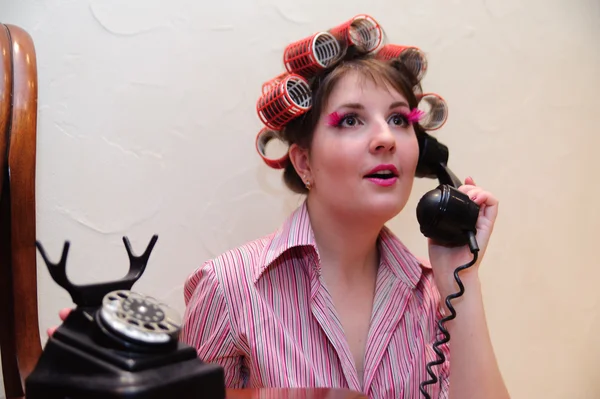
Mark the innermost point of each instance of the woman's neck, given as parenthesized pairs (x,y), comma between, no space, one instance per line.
(347,246)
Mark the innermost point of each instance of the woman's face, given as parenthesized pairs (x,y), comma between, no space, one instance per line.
(364,151)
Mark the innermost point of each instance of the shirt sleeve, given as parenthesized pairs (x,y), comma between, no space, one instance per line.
(207,326)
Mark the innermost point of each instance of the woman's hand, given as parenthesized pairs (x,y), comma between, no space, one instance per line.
(444,260)
(63,315)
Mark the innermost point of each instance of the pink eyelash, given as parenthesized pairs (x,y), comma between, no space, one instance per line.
(415,115)
(334,119)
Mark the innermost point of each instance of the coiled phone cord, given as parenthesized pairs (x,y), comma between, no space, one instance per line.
(441,358)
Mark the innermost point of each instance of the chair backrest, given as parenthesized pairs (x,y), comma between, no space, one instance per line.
(20,344)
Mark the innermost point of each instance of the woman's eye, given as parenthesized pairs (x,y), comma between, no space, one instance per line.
(349,121)
(399,120)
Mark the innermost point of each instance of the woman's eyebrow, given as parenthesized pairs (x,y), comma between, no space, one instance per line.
(399,104)
(352,105)
(360,106)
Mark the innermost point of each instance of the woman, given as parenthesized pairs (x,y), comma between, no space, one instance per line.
(333,298)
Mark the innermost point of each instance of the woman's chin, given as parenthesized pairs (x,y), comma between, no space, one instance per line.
(384,208)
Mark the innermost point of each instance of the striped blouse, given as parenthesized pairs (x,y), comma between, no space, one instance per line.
(262,312)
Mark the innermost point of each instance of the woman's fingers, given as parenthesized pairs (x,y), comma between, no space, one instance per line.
(64,313)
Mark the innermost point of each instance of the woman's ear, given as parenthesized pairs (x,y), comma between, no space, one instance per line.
(299,157)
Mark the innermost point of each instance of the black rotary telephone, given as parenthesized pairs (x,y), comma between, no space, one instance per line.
(119,344)
(449,217)
(445,214)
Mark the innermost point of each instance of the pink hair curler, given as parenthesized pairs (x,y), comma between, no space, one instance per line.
(361,31)
(262,138)
(435,111)
(412,57)
(286,100)
(308,56)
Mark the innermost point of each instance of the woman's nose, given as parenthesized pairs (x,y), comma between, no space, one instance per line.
(383,139)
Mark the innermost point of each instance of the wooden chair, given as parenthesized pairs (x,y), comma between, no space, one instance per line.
(20,344)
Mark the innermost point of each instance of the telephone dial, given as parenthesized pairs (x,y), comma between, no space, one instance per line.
(119,344)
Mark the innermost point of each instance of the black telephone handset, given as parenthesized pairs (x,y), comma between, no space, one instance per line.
(119,344)
(449,217)
(445,214)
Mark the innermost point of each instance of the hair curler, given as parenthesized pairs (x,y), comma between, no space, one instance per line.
(262,138)
(412,57)
(272,83)
(362,31)
(436,111)
(308,56)
(286,100)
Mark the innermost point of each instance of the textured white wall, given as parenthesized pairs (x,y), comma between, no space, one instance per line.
(147,123)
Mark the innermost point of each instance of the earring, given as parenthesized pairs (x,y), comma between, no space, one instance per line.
(307,183)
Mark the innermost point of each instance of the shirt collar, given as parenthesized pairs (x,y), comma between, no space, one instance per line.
(297,231)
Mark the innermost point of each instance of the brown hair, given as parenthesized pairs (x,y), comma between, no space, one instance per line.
(300,131)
